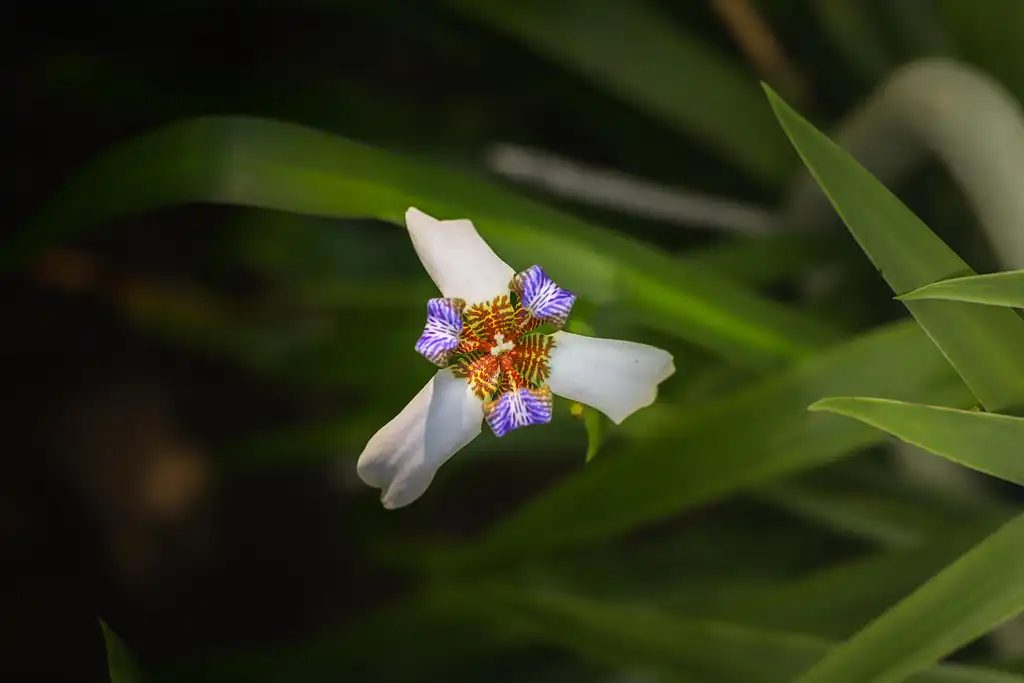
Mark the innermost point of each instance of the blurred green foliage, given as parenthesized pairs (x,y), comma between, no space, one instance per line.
(726,534)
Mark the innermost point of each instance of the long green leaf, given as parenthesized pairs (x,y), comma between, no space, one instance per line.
(985,442)
(639,55)
(969,598)
(683,649)
(994,289)
(120,663)
(983,344)
(839,600)
(273,165)
(761,433)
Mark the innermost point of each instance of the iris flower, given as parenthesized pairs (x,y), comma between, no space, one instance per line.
(497,365)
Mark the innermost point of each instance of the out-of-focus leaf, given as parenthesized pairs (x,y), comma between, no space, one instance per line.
(833,602)
(413,640)
(987,33)
(852,25)
(869,498)
(639,55)
(994,289)
(970,597)
(681,459)
(681,649)
(890,522)
(767,259)
(983,344)
(120,663)
(985,442)
(298,351)
(917,28)
(274,165)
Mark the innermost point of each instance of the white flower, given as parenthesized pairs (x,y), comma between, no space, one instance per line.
(496,365)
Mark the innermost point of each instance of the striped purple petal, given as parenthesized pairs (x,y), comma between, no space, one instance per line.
(542,297)
(518,408)
(440,336)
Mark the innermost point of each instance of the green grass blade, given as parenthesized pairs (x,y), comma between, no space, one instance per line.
(681,648)
(983,344)
(273,165)
(120,663)
(636,53)
(680,459)
(994,289)
(969,598)
(985,442)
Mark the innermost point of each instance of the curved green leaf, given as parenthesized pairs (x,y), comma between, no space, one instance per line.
(985,442)
(273,165)
(683,649)
(679,459)
(983,344)
(969,598)
(994,289)
(638,54)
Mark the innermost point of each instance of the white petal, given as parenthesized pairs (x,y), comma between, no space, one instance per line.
(457,259)
(402,458)
(616,377)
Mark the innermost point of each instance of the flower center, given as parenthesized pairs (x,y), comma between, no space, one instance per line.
(497,348)
(500,345)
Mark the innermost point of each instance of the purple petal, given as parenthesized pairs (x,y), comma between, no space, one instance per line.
(542,297)
(518,408)
(440,336)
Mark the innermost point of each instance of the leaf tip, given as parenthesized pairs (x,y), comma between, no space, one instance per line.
(832,404)
(818,406)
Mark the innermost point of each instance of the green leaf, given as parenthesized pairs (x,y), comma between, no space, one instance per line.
(273,165)
(983,344)
(683,649)
(120,663)
(838,600)
(677,460)
(985,442)
(987,33)
(767,259)
(969,598)
(994,289)
(644,58)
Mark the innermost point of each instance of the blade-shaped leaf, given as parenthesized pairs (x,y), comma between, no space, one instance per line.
(683,649)
(680,459)
(983,344)
(985,442)
(636,52)
(120,663)
(969,598)
(273,165)
(994,289)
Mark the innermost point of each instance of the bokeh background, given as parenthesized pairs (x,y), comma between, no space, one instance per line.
(205,320)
